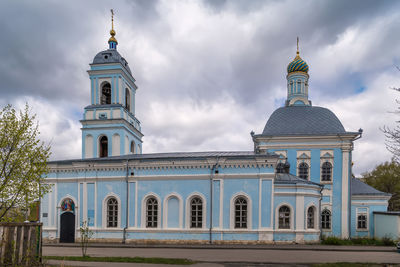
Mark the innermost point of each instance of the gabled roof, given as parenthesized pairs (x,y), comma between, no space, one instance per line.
(287,178)
(360,188)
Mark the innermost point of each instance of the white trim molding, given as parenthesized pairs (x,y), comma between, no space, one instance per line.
(165,210)
(232,211)
(188,211)
(144,210)
(277,217)
(104,211)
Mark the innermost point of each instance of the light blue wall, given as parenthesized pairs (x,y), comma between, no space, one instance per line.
(387,226)
(250,188)
(266,193)
(371,208)
(91,203)
(173,212)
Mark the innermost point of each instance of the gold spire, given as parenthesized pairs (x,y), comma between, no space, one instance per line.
(297,52)
(112,32)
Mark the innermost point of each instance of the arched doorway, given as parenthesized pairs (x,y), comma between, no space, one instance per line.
(67,221)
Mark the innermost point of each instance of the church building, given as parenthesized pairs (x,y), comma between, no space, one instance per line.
(294,185)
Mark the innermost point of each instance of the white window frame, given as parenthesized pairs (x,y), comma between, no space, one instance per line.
(232,212)
(143,218)
(104,211)
(306,159)
(366,213)
(316,217)
(277,217)
(188,221)
(326,156)
(330,210)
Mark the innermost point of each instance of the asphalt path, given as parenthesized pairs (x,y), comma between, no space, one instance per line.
(236,256)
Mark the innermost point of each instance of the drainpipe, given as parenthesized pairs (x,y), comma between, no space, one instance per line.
(211,197)
(127,201)
(320,215)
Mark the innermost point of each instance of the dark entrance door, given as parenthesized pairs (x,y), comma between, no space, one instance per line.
(67,232)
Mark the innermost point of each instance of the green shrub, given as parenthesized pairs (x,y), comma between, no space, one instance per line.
(361,241)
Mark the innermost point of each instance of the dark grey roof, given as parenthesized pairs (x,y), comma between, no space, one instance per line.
(287,178)
(174,155)
(303,120)
(111,56)
(360,188)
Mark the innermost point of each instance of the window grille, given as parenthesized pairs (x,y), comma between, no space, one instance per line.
(196,211)
(112,213)
(240,212)
(362,221)
(284,217)
(326,171)
(303,170)
(310,218)
(326,219)
(152,213)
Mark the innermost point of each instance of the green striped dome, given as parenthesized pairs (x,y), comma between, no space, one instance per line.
(297,65)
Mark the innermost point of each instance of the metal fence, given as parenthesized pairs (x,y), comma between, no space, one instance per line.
(20,244)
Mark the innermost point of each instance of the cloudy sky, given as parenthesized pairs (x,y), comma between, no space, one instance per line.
(208,72)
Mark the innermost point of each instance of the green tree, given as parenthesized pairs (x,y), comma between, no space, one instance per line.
(23,163)
(386,177)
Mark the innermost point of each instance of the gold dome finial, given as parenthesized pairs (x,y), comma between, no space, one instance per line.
(112,32)
(297,46)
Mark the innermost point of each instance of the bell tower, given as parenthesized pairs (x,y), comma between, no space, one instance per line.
(109,125)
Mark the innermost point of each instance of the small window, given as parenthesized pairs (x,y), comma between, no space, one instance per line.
(326,171)
(241,212)
(127,100)
(151,213)
(280,168)
(326,219)
(303,170)
(298,86)
(103,147)
(112,212)
(284,217)
(362,221)
(310,218)
(105,98)
(196,213)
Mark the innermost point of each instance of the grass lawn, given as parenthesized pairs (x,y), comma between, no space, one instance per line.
(122,259)
(348,264)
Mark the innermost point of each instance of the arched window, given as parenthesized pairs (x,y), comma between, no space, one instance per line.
(362,221)
(105,94)
(298,86)
(291,87)
(280,168)
(326,219)
(311,218)
(284,217)
(103,147)
(326,171)
(127,99)
(112,212)
(196,213)
(241,212)
(303,170)
(151,212)
(133,145)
